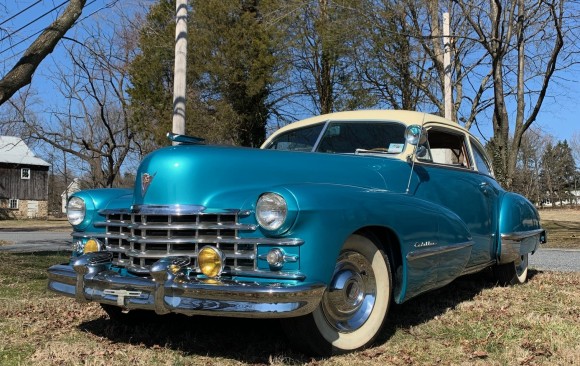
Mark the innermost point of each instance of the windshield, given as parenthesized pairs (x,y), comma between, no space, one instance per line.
(348,137)
(344,138)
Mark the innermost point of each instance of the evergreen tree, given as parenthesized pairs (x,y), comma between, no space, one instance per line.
(231,69)
(558,172)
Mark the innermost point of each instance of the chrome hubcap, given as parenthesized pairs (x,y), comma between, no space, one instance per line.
(351,296)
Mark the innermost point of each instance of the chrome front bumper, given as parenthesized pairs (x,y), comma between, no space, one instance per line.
(170,290)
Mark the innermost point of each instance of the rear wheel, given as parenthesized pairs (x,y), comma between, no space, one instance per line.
(514,273)
(355,305)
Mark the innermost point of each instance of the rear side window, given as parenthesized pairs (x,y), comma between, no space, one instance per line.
(481,160)
(302,139)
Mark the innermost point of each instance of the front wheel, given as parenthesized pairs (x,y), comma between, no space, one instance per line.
(354,306)
(514,273)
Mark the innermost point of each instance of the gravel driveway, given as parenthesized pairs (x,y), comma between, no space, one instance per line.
(35,241)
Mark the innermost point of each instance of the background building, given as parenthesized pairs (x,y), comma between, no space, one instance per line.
(23,181)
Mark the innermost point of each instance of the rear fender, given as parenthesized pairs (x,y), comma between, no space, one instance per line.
(519,227)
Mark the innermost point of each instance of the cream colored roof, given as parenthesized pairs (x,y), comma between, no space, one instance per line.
(405,117)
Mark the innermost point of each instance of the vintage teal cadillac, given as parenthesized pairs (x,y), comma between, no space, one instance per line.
(332,220)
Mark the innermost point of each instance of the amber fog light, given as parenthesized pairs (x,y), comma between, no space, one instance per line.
(210,261)
(92,245)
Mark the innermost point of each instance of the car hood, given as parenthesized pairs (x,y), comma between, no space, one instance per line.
(193,174)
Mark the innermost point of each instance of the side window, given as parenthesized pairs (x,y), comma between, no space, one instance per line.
(481,160)
(25,173)
(302,139)
(447,148)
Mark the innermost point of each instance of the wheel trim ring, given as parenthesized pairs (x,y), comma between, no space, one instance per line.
(521,265)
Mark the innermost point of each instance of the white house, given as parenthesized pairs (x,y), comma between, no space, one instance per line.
(73,187)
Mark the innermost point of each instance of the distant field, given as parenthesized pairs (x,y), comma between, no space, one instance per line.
(563,226)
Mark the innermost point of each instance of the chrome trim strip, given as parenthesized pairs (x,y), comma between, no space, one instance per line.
(115,211)
(170,226)
(115,223)
(253,241)
(193,254)
(520,235)
(418,254)
(158,226)
(477,268)
(177,293)
(87,235)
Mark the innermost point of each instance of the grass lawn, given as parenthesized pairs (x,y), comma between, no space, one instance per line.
(471,321)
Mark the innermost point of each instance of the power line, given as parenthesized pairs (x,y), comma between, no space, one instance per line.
(34,21)
(40,31)
(20,12)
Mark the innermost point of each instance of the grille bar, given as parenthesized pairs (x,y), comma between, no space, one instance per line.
(140,238)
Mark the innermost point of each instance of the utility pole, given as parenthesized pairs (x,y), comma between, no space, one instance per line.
(447,67)
(179,82)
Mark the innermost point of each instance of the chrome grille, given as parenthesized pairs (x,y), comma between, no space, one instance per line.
(140,239)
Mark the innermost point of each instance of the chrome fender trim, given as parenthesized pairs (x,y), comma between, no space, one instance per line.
(418,254)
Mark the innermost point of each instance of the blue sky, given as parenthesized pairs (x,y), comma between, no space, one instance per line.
(559,115)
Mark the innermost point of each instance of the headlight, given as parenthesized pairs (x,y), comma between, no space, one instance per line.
(271,211)
(75,210)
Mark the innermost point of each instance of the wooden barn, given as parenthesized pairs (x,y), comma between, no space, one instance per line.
(23,181)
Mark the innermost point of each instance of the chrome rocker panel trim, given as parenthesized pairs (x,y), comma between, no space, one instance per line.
(89,279)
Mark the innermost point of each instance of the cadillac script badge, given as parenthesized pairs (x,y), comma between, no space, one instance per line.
(146,179)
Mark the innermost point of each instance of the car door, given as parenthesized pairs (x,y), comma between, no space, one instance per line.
(450,178)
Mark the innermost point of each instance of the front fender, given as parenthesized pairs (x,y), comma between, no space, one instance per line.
(434,243)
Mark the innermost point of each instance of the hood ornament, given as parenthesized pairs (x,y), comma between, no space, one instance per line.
(146,180)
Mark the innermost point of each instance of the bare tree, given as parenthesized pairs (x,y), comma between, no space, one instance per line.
(523,41)
(94,128)
(21,73)
(527,178)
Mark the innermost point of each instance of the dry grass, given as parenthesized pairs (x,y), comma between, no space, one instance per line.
(35,225)
(468,322)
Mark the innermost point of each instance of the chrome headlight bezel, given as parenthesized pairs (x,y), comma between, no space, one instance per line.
(76,210)
(271,211)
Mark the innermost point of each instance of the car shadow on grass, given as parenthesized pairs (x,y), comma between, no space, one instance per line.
(261,340)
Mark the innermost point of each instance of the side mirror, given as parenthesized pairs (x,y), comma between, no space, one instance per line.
(415,135)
